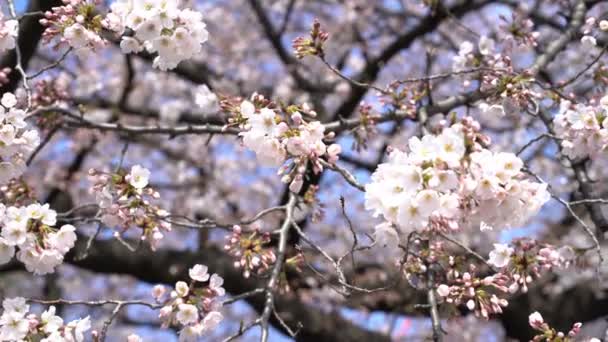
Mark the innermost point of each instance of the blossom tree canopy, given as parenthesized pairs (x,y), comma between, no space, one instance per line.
(307,170)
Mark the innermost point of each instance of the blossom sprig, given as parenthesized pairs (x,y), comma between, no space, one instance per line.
(510,90)
(366,128)
(312,199)
(404,98)
(17,324)
(239,114)
(31,228)
(519,31)
(527,259)
(76,24)
(160,27)
(125,199)
(49,92)
(549,334)
(8,33)
(251,249)
(450,181)
(583,129)
(470,56)
(16,141)
(312,45)
(194,306)
(460,282)
(284,136)
(480,295)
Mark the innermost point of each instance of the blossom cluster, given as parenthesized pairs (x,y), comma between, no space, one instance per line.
(194,306)
(159,27)
(17,192)
(206,99)
(516,267)
(476,293)
(124,202)
(50,91)
(76,23)
(468,59)
(31,229)
(251,250)
(496,74)
(592,29)
(460,282)
(525,259)
(16,142)
(448,181)
(518,32)
(8,33)
(312,46)
(17,324)
(583,129)
(278,138)
(549,334)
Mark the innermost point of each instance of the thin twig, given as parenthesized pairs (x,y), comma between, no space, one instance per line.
(348,177)
(242,296)
(19,65)
(42,144)
(242,330)
(50,66)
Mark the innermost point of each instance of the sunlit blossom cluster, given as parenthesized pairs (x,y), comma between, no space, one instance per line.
(277,138)
(76,24)
(160,27)
(195,306)
(124,202)
(31,230)
(8,33)
(583,129)
(17,324)
(16,141)
(449,181)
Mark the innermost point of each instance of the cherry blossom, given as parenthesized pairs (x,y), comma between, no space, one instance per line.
(582,128)
(160,27)
(435,187)
(41,246)
(8,33)
(17,324)
(501,255)
(76,23)
(195,306)
(361,171)
(279,138)
(17,140)
(124,202)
